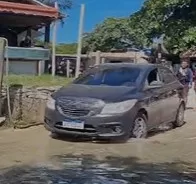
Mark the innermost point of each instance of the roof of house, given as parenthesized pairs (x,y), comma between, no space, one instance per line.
(34,8)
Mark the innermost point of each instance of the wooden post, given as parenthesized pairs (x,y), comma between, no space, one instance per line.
(80,32)
(2,56)
(98,58)
(135,58)
(40,67)
(54,45)
(103,60)
(68,68)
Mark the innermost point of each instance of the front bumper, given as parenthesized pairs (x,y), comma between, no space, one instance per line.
(110,127)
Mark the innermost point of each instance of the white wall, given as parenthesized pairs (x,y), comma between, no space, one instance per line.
(22,67)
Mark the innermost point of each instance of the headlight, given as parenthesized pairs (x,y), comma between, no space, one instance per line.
(115,108)
(51,103)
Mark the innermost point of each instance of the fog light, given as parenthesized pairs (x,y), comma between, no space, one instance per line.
(117,129)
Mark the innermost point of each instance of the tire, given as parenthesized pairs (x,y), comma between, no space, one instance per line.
(180,116)
(139,129)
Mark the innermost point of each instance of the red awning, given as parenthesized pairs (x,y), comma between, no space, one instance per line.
(27,9)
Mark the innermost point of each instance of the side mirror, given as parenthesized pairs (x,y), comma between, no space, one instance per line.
(156,84)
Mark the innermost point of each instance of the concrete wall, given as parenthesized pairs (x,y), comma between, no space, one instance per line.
(22,67)
(27,104)
(26,67)
(41,66)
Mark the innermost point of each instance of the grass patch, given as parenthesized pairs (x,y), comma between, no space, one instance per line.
(37,81)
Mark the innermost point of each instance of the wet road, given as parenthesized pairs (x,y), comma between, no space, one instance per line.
(87,170)
(32,157)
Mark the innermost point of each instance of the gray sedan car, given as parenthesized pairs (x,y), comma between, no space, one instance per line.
(116,101)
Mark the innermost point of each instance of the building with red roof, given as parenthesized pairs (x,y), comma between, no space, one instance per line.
(25,16)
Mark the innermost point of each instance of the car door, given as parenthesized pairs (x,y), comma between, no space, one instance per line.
(170,89)
(154,98)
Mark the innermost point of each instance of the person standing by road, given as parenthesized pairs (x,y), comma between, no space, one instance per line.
(185,76)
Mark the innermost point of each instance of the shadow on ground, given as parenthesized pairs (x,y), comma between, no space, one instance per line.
(160,130)
(88,170)
(83,139)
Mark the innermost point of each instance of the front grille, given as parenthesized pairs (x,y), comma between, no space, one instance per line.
(72,111)
(78,107)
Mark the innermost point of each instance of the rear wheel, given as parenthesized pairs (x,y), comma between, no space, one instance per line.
(180,116)
(139,129)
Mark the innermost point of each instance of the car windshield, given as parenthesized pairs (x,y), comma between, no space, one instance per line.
(110,77)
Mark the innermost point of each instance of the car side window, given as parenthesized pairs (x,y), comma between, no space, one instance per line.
(167,75)
(153,76)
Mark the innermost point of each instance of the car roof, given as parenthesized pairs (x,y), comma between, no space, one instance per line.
(142,66)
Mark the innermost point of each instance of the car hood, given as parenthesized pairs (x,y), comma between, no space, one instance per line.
(105,93)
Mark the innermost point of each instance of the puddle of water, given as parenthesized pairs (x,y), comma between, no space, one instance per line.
(87,170)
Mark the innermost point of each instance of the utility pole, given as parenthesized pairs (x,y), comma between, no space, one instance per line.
(54,45)
(80,33)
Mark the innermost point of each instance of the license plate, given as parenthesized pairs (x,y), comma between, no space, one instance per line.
(73,124)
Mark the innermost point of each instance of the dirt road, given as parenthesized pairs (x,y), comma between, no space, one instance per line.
(35,145)
(32,156)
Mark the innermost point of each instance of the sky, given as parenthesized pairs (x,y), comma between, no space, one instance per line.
(95,12)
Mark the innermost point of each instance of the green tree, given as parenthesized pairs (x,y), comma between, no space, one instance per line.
(112,33)
(175,19)
(61,48)
(66,48)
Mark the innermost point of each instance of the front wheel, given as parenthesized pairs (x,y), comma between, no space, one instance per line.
(180,116)
(139,129)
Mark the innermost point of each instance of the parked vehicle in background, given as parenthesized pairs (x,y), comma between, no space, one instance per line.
(117,101)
